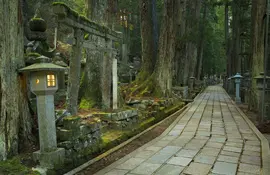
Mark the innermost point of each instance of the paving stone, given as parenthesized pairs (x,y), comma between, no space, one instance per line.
(253,160)
(159,158)
(182,161)
(162,143)
(234,144)
(251,153)
(205,159)
(225,168)
(232,149)
(252,148)
(218,139)
(117,172)
(229,159)
(146,168)
(210,151)
(242,173)
(253,143)
(253,169)
(169,170)
(214,145)
(153,148)
(175,133)
(169,150)
(145,154)
(197,169)
(187,153)
(169,138)
(130,164)
(193,146)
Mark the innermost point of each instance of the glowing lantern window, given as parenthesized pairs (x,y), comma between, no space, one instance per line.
(51,81)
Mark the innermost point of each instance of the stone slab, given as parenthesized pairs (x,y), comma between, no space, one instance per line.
(146,168)
(131,164)
(197,169)
(181,161)
(169,170)
(225,168)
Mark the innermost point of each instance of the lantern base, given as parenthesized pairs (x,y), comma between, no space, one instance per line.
(237,100)
(50,160)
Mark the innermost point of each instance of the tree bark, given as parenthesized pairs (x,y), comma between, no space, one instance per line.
(149,45)
(167,45)
(15,120)
(236,61)
(227,40)
(257,40)
(201,41)
(193,16)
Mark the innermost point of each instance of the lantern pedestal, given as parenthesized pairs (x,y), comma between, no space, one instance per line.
(51,160)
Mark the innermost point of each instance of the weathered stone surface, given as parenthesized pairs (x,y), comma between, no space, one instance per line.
(205,159)
(131,164)
(229,159)
(253,160)
(198,169)
(182,161)
(187,153)
(170,170)
(253,169)
(146,168)
(225,168)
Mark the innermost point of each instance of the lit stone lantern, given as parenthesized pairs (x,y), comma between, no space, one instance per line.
(237,80)
(43,83)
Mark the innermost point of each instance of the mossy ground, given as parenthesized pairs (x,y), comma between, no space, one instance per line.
(14,166)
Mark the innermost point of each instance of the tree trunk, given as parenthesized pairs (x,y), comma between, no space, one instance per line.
(257,40)
(149,46)
(201,42)
(180,56)
(193,16)
(227,40)
(15,120)
(236,61)
(167,45)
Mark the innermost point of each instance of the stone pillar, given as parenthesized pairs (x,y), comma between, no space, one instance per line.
(124,53)
(191,83)
(237,79)
(106,75)
(49,156)
(115,83)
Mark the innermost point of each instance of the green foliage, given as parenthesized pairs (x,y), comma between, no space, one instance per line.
(214,55)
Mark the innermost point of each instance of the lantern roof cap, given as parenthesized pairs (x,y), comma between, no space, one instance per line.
(42,67)
(237,75)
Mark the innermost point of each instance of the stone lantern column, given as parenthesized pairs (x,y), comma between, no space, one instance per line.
(259,83)
(237,79)
(191,83)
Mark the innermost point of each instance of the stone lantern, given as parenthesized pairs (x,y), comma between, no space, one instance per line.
(191,83)
(259,83)
(44,83)
(237,80)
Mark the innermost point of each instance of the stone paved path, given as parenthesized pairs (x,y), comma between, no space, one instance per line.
(210,137)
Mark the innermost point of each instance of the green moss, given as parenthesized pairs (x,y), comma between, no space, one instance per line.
(146,122)
(33,54)
(86,104)
(37,19)
(86,36)
(14,166)
(82,18)
(72,118)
